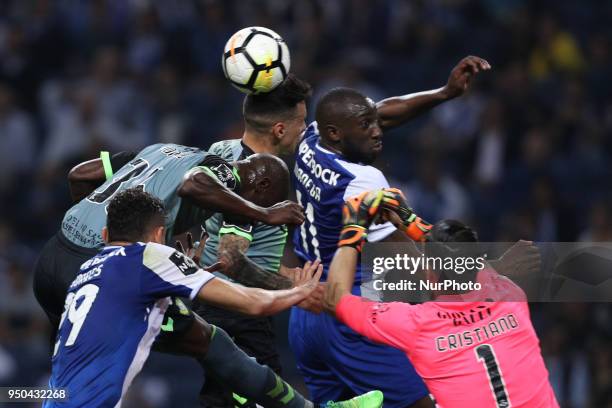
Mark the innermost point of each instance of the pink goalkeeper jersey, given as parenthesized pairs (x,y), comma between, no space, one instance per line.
(469,353)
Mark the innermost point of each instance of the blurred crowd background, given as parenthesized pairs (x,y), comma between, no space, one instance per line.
(526,154)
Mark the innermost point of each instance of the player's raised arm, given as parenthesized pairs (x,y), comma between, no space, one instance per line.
(356,312)
(261,302)
(397,110)
(357,215)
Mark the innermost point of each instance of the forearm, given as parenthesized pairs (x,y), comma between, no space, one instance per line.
(340,277)
(397,110)
(232,254)
(243,270)
(208,193)
(270,302)
(250,301)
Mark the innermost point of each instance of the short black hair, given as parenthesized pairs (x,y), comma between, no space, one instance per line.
(262,110)
(132,213)
(333,105)
(452,239)
(451,231)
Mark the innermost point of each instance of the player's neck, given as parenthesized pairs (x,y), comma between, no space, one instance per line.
(258,143)
(118,243)
(326,145)
(449,292)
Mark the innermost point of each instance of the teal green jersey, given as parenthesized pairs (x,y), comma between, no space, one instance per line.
(158,169)
(267,241)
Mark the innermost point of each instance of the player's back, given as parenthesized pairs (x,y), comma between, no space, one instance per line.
(114,310)
(158,169)
(481,354)
(323,181)
(100,339)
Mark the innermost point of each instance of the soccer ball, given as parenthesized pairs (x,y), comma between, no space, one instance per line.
(255,60)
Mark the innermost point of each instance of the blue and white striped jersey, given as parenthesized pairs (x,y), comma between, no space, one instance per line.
(113,312)
(324,180)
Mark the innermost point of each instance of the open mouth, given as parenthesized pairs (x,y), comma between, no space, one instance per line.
(377,145)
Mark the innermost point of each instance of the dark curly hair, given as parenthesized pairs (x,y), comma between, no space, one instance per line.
(262,110)
(132,213)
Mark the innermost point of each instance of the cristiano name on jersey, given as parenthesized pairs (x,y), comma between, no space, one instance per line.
(485,332)
(328,176)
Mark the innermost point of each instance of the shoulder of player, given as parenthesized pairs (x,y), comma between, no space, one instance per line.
(218,168)
(151,148)
(501,287)
(154,254)
(313,155)
(310,134)
(227,149)
(362,171)
(363,178)
(312,129)
(155,247)
(157,256)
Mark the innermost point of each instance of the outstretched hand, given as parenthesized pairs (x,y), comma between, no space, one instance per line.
(521,259)
(314,302)
(286,212)
(358,213)
(308,277)
(461,75)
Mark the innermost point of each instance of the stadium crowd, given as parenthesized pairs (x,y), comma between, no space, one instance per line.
(526,154)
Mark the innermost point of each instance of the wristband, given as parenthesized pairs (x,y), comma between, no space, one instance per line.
(417,229)
(106,163)
(353,236)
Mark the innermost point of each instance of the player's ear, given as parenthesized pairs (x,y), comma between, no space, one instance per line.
(159,235)
(279,131)
(333,133)
(263,184)
(105,235)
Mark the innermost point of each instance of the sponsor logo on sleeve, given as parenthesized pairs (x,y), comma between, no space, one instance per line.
(225,175)
(184,263)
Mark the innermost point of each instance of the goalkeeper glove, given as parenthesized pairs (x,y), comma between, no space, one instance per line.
(357,214)
(393,200)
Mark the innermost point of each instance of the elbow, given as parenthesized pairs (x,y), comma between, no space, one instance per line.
(72,174)
(76,174)
(89,171)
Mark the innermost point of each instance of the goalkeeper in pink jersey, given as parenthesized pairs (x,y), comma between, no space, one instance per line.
(493,360)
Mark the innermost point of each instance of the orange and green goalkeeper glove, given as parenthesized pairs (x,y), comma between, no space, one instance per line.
(358,213)
(412,225)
